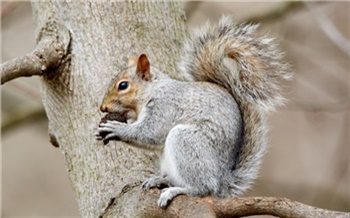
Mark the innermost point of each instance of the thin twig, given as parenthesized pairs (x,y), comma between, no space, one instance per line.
(21,117)
(7,7)
(275,13)
(191,7)
(329,28)
(26,90)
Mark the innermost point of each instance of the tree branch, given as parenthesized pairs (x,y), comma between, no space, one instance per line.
(329,29)
(208,207)
(276,13)
(52,46)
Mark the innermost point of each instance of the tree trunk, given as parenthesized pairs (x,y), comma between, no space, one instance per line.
(102,37)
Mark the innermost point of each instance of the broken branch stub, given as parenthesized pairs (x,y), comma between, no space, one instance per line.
(52,47)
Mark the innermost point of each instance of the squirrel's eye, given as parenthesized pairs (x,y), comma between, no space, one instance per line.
(123,85)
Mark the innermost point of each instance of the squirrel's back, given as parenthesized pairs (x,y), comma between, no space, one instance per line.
(249,66)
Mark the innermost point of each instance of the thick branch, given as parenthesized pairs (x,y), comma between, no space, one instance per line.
(34,63)
(184,206)
(48,54)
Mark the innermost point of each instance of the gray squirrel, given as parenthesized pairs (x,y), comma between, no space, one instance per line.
(211,128)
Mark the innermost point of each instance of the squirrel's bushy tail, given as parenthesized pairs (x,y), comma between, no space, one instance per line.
(249,67)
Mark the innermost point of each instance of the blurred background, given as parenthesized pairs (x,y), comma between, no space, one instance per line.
(308,158)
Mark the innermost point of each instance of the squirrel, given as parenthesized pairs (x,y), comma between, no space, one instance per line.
(212,127)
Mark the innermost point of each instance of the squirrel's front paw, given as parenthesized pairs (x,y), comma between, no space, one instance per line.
(105,135)
(109,126)
(108,131)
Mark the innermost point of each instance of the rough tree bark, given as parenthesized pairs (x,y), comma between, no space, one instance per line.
(103,37)
(81,47)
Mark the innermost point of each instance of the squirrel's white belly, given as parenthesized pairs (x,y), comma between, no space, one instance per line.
(168,164)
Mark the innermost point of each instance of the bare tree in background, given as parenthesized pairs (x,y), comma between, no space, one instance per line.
(80,48)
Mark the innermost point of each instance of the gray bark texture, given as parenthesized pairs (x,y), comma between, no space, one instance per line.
(103,37)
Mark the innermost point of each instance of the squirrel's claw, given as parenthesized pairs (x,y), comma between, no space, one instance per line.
(105,127)
(168,194)
(164,199)
(110,126)
(155,182)
(111,136)
(108,131)
(98,136)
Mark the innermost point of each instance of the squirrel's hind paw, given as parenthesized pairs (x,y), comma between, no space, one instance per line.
(168,194)
(155,182)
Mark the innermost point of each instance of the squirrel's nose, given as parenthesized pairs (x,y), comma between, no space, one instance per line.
(104,108)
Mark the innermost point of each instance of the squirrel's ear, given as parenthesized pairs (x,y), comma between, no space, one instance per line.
(143,67)
(131,61)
